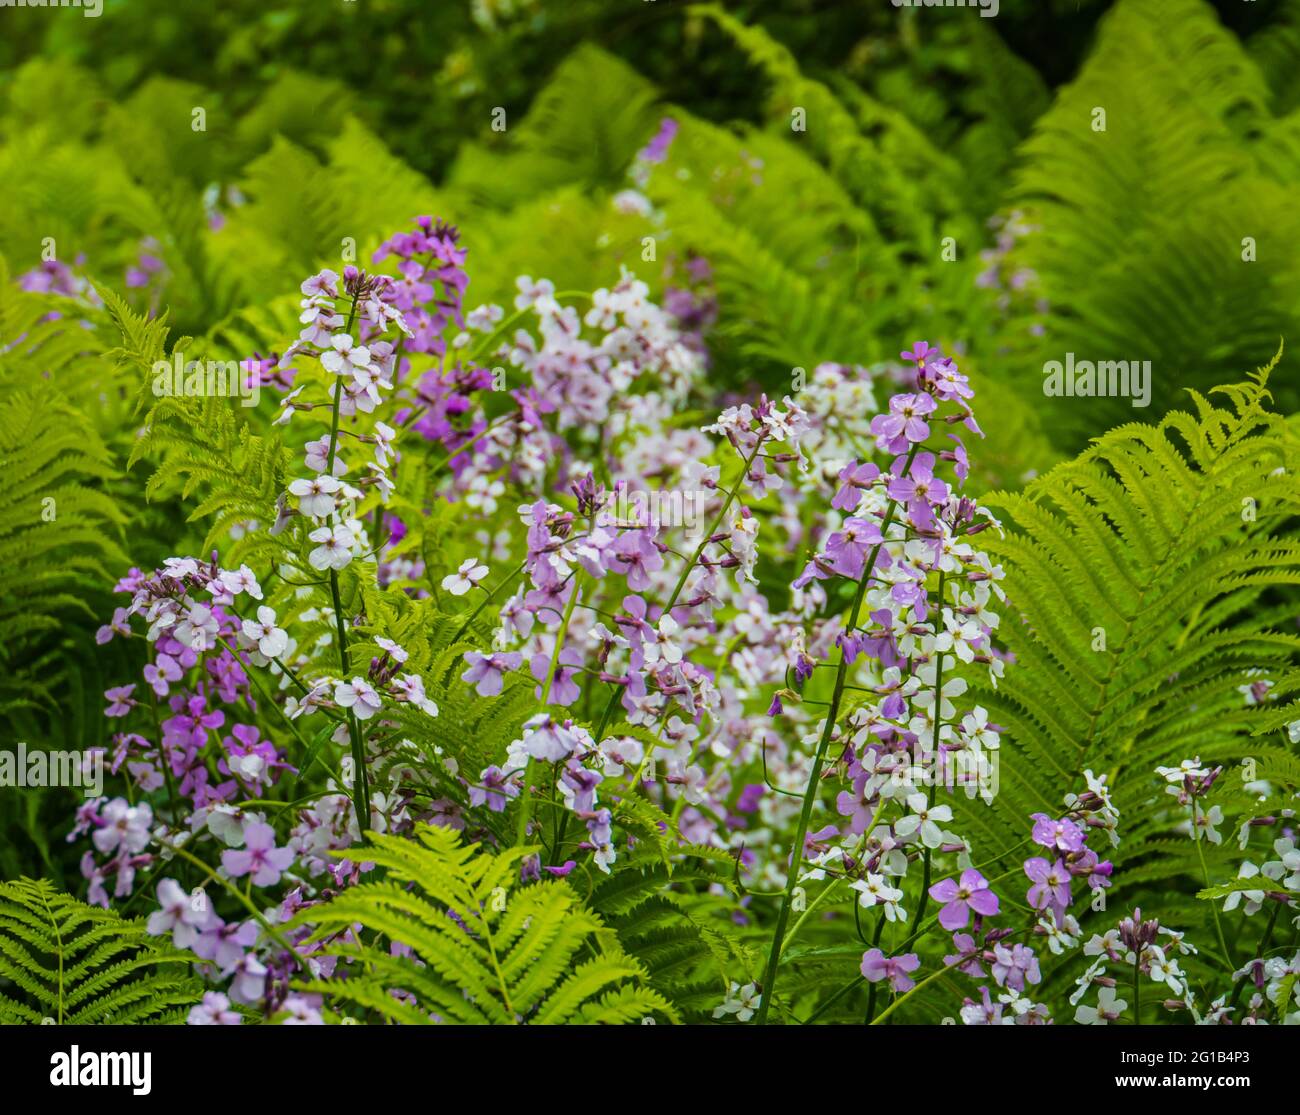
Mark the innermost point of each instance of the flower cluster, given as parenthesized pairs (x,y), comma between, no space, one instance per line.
(772,634)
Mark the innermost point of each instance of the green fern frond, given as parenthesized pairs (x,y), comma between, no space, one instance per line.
(458,939)
(75,964)
(1135,578)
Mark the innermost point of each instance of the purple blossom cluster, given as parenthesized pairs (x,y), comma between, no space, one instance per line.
(788,673)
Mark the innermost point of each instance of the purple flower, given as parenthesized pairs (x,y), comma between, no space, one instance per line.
(854,478)
(119,700)
(259,857)
(919,484)
(494,790)
(847,548)
(657,149)
(1014,966)
(214,1011)
(123,826)
(967,957)
(920,352)
(905,424)
(637,557)
(876,966)
(984,1013)
(972,893)
(1051,883)
(1092,867)
(961,463)
(181,914)
(486,671)
(225,943)
(564,690)
(1063,835)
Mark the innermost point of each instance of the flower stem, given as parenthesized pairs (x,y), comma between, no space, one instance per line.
(942,971)
(360,776)
(1214,906)
(686,572)
(244,901)
(934,779)
(814,779)
(525,797)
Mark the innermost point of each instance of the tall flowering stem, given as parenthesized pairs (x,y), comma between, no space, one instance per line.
(360,776)
(814,778)
(695,560)
(934,747)
(526,797)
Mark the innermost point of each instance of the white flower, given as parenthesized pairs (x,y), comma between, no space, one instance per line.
(1175,775)
(1207,819)
(241,580)
(482,318)
(223,821)
(1164,970)
(334,550)
(344,357)
(384,435)
(198,630)
(271,641)
(483,493)
(740,1001)
(359,696)
(661,644)
(975,725)
(1108,1009)
(1060,937)
(287,404)
(922,819)
(539,295)
(315,496)
(924,699)
(465,578)
(395,652)
(873,889)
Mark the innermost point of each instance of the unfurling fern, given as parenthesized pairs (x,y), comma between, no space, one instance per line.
(76,964)
(449,935)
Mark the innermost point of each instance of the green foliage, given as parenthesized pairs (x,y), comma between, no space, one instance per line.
(476,947)
(1139,579)
(1141,250)
(667,918)
(79,965)
(60,533)
(202,445)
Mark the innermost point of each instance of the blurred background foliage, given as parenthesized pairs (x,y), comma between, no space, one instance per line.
(949,184)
